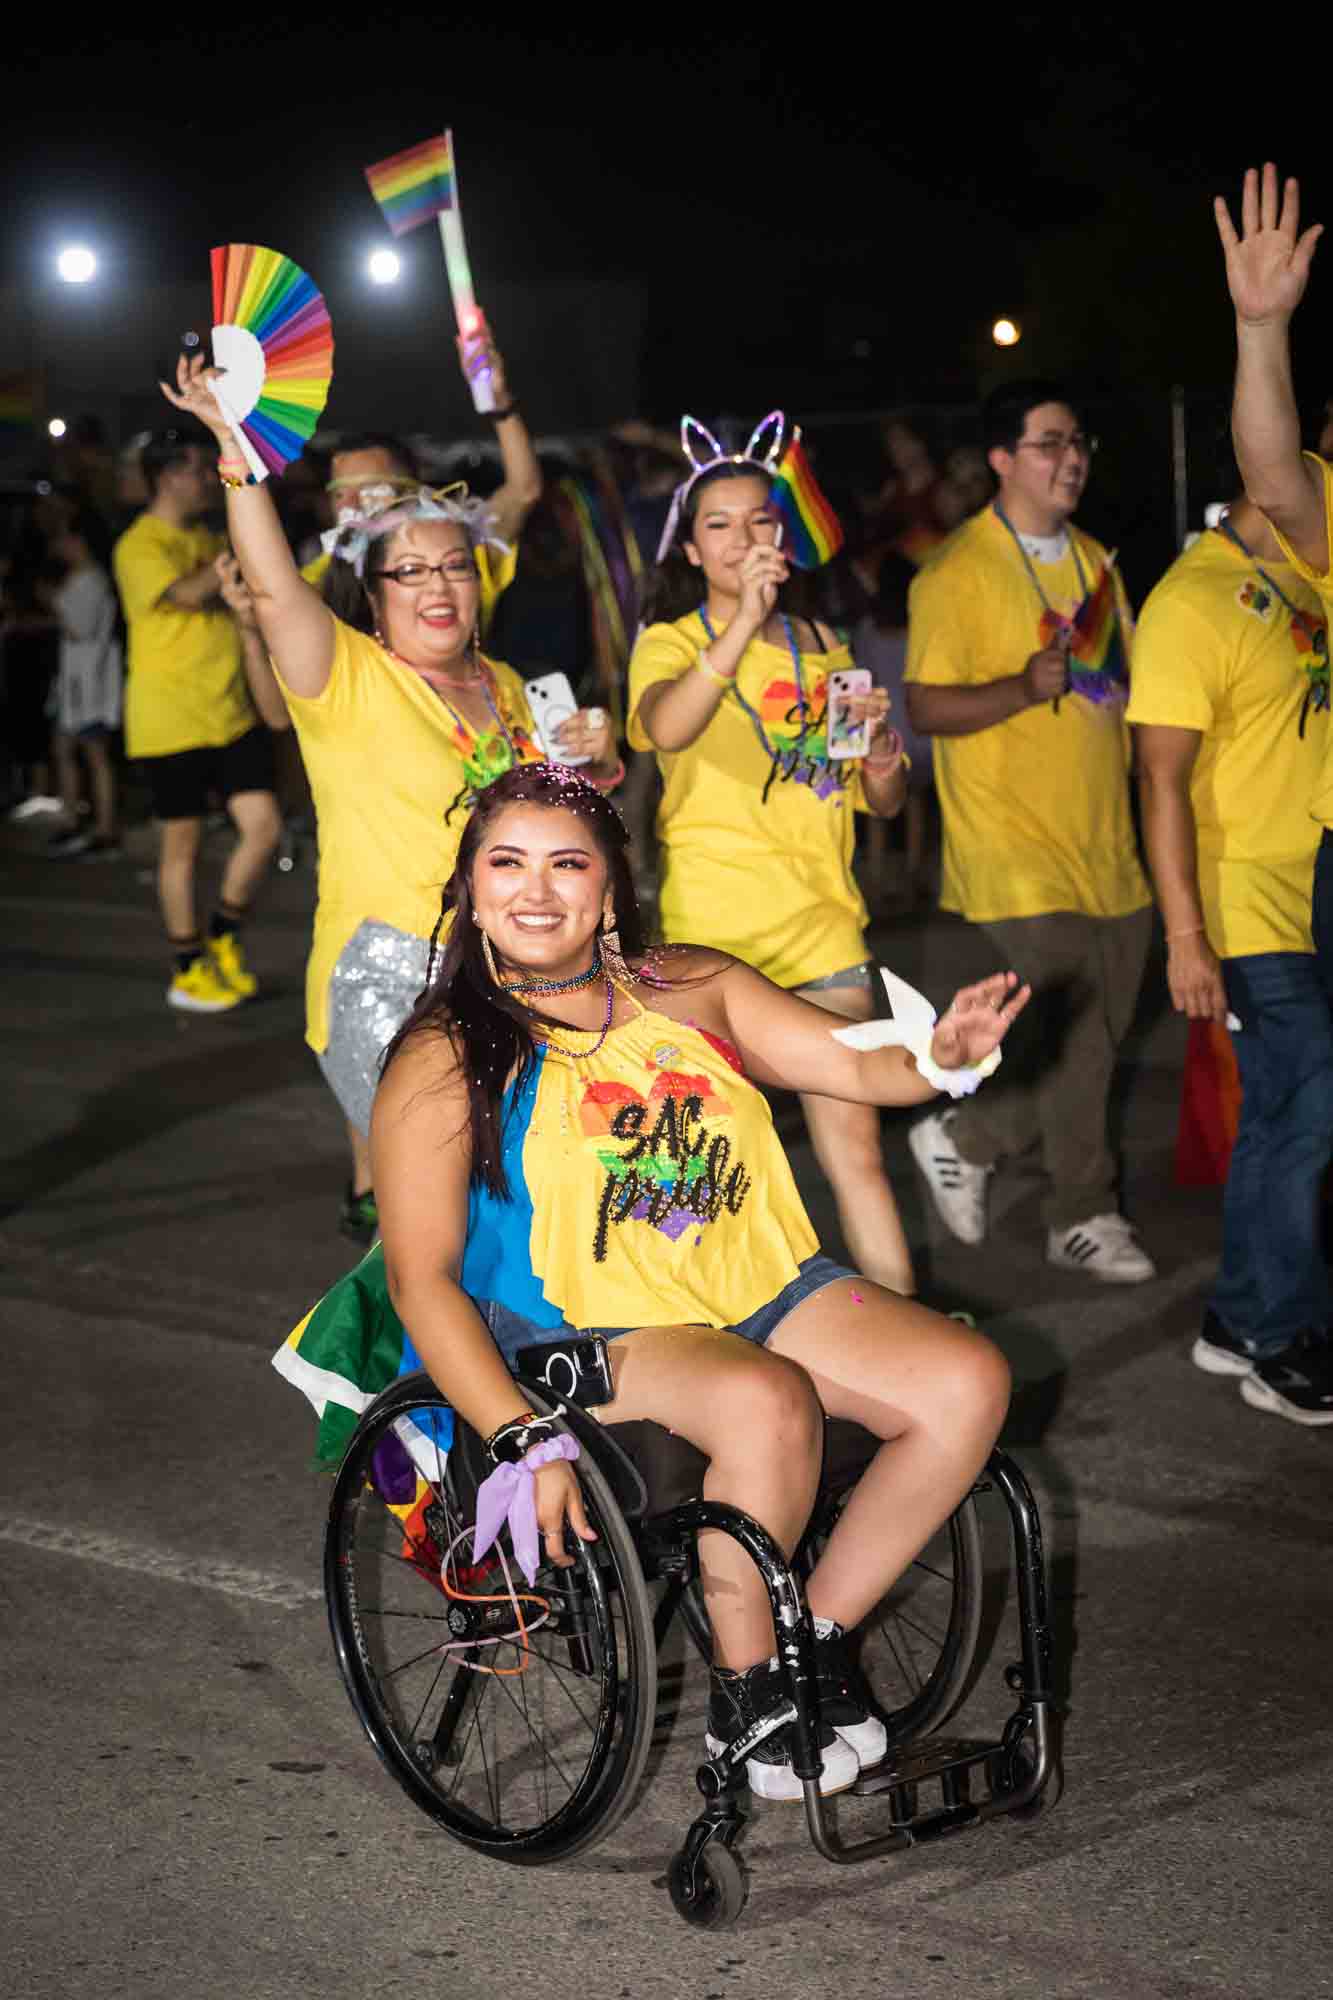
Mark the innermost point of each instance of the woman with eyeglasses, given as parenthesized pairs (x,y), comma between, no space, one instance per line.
(402,720)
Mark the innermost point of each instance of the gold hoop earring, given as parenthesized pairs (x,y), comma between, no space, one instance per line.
(489,957)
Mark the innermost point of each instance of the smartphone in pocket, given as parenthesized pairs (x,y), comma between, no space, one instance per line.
(551,699)
(847,738)
(578,1371)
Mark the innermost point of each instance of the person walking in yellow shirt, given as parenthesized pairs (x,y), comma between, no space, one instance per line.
(756,820)
(190,720)
(1268,266)
(1018,667)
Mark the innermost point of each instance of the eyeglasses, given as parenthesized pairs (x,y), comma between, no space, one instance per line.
(413,575)
(1054,448)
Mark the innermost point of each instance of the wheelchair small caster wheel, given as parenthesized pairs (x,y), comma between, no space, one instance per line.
(711,1893)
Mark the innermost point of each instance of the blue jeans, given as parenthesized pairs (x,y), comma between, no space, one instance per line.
(1273,1282)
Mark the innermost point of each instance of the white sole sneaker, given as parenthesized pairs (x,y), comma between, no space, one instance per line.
(957,1188)
(1260,1396)
(1216,1360)
(868,1741)
(1110,1255)
(186,1003)
(841,1770)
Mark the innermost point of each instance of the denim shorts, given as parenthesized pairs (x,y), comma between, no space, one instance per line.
(510,1330)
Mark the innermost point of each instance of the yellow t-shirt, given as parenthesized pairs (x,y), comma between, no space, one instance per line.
(1036,809)
(392,772)
(1321,803)
(187,688)
(495,572)
(1217,650)
(756,844)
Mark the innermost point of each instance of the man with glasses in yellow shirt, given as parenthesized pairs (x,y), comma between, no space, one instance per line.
(1286,1364)
(1017,665)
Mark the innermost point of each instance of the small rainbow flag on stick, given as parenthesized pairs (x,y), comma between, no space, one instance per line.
(413,186)
(812,531)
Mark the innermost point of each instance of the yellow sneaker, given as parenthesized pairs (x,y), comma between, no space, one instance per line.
(230,966)
(201,991)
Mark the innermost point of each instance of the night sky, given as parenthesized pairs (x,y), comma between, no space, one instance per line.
(847,213)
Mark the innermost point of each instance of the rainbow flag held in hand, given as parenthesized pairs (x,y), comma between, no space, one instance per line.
(812,532)
(1098,666)
(412,187)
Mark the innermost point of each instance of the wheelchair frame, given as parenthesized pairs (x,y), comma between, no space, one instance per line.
(705,1878)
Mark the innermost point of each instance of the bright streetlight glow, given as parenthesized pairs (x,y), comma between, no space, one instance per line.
(57,427)
(383,266)
(1006,333)
(76,264)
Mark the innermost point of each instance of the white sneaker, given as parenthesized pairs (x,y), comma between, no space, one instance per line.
(32,808)
(1103,1247)
(957,1188)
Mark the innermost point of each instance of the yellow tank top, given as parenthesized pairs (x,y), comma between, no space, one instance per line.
(657,1191)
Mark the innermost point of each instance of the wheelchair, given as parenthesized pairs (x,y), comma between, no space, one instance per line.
(521,1719)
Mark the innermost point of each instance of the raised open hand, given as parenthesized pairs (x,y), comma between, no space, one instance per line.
(978,1019)
(193,396)
(1268,264)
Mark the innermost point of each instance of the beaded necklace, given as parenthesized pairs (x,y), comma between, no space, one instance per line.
(586,1055)
(539,986)
(755,718)
(461,723)
(1317,673)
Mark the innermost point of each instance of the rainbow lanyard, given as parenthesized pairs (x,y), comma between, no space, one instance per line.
(465,728)
(1047,606)
(1317,675)
(753,714)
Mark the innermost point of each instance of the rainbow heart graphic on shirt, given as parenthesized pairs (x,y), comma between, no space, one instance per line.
(797,737)
(664,1166)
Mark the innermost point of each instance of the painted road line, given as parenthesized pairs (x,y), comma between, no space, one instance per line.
(257,1586)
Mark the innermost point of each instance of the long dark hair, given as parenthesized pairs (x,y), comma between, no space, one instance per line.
(491,1032)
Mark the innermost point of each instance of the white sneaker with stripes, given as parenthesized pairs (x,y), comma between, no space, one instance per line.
(957,1188)
(1102,1247)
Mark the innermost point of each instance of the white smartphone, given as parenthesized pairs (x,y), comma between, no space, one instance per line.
(551,699)
(847,738)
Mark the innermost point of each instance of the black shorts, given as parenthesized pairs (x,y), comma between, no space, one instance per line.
(185,784)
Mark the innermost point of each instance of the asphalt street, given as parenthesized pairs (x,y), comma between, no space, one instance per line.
(190,1806)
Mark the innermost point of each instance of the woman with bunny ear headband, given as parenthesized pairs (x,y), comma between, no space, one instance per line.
(401,719)
(756,820)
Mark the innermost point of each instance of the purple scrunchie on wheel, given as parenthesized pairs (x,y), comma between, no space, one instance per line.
(507,1494)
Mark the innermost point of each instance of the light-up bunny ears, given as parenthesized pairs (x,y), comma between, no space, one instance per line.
(704,454)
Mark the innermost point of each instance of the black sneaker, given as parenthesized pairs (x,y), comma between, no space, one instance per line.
(842,1697)
(1296,1384)
(1218,1351)
(736,1702)
(359,1217)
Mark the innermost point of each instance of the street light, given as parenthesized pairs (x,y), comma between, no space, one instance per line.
(57,427)
(76,264)
(383,267)
(1006,333)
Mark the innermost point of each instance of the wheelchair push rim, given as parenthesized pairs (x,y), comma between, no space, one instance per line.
(523,1735)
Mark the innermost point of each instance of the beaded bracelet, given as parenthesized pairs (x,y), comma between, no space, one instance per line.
(705,666)
(234,484)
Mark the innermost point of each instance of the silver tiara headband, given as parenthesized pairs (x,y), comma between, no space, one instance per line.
(350,541)
(704,454)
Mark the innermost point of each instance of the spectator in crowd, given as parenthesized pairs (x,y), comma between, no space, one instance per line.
(1229,708)
(879,643)
(191,721)
(1017,664)
(88,689)
(29,656)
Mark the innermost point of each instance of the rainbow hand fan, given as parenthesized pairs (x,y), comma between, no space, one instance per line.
(274,342)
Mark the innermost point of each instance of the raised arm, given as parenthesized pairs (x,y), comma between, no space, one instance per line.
(421,1158)
(1166,759)
(521,487)
(1268,266)
(673,714)
(296,624)
(789,1042)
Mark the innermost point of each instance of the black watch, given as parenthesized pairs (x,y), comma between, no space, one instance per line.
(514,1443)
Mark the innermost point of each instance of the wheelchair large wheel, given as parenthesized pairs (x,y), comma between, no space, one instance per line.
(919,1646)
(521,1721)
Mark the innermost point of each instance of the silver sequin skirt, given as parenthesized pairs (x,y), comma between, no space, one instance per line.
(374,987)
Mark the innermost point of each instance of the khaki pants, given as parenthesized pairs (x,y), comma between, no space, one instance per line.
(1053,1086)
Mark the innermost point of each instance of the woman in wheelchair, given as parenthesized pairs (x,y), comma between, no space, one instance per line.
(566,1136)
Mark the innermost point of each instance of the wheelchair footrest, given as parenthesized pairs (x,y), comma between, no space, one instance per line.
(946,1760)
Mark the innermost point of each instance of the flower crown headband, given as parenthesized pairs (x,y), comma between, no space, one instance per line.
(350,541)
(704,454)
